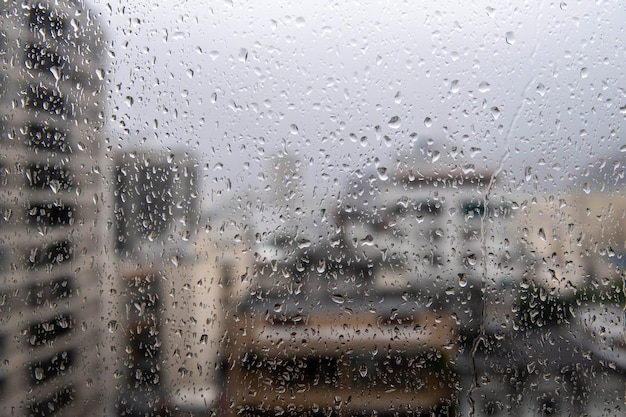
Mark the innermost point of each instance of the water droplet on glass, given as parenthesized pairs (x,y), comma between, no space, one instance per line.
(541,234)
(304,243)
(39,374)
(584,72)
(243,55)
(278,307)
(394,122)
(293,129)
(495,113)
(55,73)
(363,370)
(54,186)
(462,280)
(587,188)
(382,173)
(541,89)
(214,55)
(129,101)
(337,298)
(471,259)
(510,38)
(428,122)
(112,326)
(454,86)
(300,22)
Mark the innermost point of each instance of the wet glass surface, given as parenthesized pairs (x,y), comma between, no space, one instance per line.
(225,208)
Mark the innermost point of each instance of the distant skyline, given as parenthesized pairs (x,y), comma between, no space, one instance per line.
(535,91)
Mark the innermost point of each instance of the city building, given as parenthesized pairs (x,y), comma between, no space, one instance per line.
(157,361)
(448,235)
(51,225)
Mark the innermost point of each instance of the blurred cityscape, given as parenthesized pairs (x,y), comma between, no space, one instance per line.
(429,290)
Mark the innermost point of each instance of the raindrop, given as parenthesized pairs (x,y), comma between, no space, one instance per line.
(54,186)
(55,73)
(541,89)
(382,173)
(300,22)
(394,122)
(129,101)
(495,113)
(587,188)
(243,55)
(484,86)
(428,122)
(39,374)
(214,55)
(363,370)
(462,280)
(510,38)
(584,72)
(293,129)
(528,173)
(337,298)
(278,307)
(454,86)
(112,326)
(541,234)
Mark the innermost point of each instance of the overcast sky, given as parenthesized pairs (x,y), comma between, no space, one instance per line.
(534,90)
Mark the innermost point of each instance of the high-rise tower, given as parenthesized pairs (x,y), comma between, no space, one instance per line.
(51,235)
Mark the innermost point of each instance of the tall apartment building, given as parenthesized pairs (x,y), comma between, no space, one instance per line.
(155,345)
(51,235)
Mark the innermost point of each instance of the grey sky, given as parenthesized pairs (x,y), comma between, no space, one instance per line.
(493,84)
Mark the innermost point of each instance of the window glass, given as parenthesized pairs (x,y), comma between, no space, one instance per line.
(224,208)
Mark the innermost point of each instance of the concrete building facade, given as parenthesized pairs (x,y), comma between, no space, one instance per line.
(51,233)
